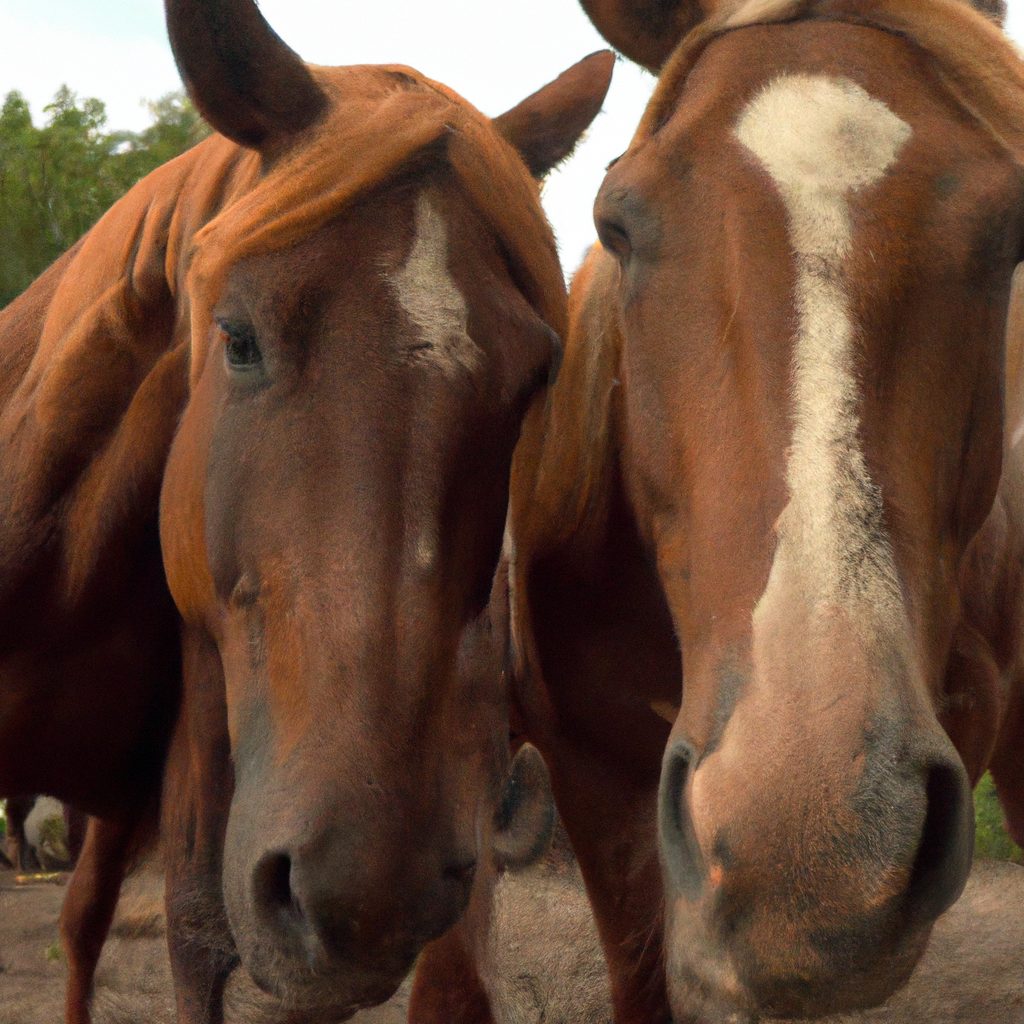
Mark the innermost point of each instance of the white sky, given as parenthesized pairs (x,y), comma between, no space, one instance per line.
(494,53)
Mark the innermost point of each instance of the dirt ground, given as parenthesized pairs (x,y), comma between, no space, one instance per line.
(545,963)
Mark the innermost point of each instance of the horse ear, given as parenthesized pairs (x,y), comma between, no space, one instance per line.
(994,9)
(546,126)
(646,31)
(239,73)
(525,819)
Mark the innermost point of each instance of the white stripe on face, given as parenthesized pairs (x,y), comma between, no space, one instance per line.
(432,300)
(821,138)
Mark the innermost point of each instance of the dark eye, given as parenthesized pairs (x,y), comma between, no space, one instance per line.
(613,236)
(240,347)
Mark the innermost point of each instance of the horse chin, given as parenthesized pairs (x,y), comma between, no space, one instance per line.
(719,980)
(333,991)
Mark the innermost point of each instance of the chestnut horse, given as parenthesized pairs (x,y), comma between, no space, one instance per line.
(771,485)
(255,438)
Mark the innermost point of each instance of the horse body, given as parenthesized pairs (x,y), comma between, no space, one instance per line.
(257,427)
(92,402)
(984,693)
(811,237)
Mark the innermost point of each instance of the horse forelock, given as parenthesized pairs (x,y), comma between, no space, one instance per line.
(979,65)
(380,119)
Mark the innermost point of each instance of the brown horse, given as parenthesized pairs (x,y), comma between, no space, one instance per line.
(255,438)
(773,465)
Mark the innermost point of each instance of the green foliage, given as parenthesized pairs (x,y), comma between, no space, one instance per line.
(58,180)
(53,953)
(990,839)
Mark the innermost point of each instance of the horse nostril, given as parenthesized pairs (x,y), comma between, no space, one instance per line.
(947,842)
(678,841)
(272,886)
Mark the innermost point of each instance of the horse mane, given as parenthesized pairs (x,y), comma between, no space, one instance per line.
(561,479)
(976,61)
(562,488)
(96,355)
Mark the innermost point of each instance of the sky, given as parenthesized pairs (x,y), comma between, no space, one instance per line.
(493,53)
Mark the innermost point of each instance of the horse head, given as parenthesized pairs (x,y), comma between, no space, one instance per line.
(371,310)
(648,31)
(813,236)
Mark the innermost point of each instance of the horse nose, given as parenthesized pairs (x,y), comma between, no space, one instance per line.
(815,894)
(353,917)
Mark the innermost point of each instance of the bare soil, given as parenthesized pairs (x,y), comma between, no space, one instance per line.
(544,960)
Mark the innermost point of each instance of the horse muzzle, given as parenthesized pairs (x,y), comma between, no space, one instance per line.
(331,909)
(794,889)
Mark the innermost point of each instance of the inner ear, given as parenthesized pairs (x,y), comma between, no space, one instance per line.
(546,126)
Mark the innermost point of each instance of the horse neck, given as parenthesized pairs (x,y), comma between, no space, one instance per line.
(565,467)
(76,353)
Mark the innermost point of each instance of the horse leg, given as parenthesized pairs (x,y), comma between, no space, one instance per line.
(448,988)
(971,701)
(611,820)
(198,784)
(75,824)
(1007,764)
(18,809)
(89,907)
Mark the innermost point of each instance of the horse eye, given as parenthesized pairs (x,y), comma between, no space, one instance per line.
(614,237)
(240,346)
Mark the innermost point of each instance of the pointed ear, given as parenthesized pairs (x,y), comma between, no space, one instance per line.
(546,126)
(525,818)
(646,31)
(995,9)
(240,75)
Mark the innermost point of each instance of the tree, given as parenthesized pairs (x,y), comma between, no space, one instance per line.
(58,180)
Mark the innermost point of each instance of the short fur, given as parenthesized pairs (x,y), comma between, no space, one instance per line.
(647,31)
(645,517)
(433,301)
(820,139)
(99,358)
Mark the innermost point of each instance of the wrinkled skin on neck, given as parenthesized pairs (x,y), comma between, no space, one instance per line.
(814,816)
(346,496)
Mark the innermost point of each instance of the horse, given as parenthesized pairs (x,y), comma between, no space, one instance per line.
(255,436)
(765,543)
(22,852)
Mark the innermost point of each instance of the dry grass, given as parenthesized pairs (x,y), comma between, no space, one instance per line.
(544,964)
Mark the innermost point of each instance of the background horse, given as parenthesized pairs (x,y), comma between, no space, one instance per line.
(21,854)
(773,465)
(256,429)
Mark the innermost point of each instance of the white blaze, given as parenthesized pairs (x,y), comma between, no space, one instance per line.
(820,139)
(432,300)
